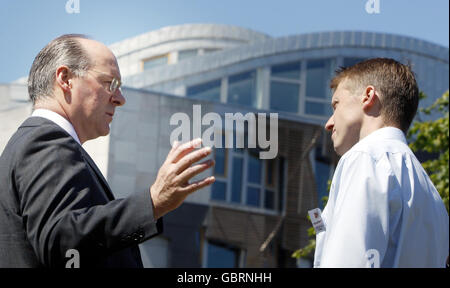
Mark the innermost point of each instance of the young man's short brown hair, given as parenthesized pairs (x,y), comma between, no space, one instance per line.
(395,82)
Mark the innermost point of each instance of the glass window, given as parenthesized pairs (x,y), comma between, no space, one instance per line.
(242,89)
(219,190)
(290,70)
(185,54)
(219,256)
(221,163)
(207,91)
(322,174)
(322,169)
(318,74)
(284,96)
(254,169)
(155,62)
(253,196)
(260,186)
(281,165)
(210,50)
(236,180)
(270,175)
(269,200)
(322,109)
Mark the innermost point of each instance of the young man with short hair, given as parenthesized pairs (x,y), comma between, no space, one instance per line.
(383,210)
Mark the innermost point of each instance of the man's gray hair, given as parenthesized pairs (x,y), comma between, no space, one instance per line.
(64,50)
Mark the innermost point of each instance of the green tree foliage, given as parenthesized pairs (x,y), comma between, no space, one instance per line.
(430,136)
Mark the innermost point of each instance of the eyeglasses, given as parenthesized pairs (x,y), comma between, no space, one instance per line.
(115,83)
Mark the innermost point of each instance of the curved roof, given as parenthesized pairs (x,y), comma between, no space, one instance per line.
(273,46)
(184,32)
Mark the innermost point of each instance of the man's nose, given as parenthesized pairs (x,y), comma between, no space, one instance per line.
(118,98)
(330,124)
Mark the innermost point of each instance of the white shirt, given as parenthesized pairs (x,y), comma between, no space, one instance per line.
(58,120)
(383,210)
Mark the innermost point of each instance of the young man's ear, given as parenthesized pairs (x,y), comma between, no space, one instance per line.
(370,98)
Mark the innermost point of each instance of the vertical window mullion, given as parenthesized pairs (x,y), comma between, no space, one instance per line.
(229,173)
(224,90)
(263,185)
(244,182)
(302,89)
(277,179)
(284,187)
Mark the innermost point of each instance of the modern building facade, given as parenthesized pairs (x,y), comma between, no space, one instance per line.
(255,213)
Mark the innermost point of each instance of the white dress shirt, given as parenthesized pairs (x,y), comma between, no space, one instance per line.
(383,210)
(57,119)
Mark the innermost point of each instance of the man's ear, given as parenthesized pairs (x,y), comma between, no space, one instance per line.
(370,98)
(63,78)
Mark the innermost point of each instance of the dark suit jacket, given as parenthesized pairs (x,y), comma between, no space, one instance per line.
(53,198)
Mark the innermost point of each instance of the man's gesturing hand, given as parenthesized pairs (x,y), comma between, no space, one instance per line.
(172,183)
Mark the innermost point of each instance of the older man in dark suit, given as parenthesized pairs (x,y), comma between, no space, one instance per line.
(52,197)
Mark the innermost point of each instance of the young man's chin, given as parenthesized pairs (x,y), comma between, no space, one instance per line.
(339,150)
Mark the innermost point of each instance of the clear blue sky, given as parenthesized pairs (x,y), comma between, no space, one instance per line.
(28,25)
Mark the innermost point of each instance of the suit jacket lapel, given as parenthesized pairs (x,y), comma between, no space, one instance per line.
(94,167)
(36,121)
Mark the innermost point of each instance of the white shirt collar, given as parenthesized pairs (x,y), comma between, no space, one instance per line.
(58,120)
(392,133)
(384,133)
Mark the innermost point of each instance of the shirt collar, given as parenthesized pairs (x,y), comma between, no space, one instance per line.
(58,120)
(381,134)
(385,133)
(391,133)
